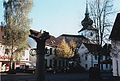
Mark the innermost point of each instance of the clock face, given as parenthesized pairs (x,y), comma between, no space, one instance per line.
(32,52)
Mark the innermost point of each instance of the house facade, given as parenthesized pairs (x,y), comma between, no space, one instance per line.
(52,61)
(5,59)
(5,56)
(115,46)
(88,54)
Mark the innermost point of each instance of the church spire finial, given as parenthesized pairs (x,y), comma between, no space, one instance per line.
(87,22)
(86,13)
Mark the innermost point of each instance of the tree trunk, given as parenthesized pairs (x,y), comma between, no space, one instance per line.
(40,64)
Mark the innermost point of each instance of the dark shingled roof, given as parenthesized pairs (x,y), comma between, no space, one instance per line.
(93,48)
(77,36)
(96,49)
(106,49)
(115,34)
(52,41)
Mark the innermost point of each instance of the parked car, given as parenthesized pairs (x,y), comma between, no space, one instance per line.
(27,69)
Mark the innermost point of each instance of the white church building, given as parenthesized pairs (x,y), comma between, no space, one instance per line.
(88,52)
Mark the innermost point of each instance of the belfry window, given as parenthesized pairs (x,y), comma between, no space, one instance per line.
(91,34)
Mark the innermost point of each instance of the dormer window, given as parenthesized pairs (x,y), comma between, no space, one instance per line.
(82,47)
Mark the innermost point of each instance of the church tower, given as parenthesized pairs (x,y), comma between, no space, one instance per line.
(88,30)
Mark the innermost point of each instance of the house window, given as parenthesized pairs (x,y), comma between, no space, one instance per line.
(0,47)
(59,63)
(86,57)
(101,66)
(50,62)
(45,62)
(101,58)
(106,57)
(46,51)
(50,51)
(91,34)
(63,61)
(82,55)
(86,66)
(6,51)
(23,53)
(55,51)
(95,57)
(106,65)
(67,63)
(55,63)
(82,47)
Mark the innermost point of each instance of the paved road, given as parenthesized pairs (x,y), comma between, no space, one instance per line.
(54,77)
(49,77)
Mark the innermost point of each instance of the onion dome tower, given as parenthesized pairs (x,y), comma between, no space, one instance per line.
(88,30)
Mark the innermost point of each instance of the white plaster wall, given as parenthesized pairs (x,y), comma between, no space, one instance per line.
(83,52)
(115,54)
(48,57)
(87,34)
(104,65)
(26,54)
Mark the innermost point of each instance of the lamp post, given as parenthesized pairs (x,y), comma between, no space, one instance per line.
(40,39)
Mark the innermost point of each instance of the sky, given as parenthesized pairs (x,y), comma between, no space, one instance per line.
(58,16)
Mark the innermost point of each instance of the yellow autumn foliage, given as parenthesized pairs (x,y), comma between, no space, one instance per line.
(65,49)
